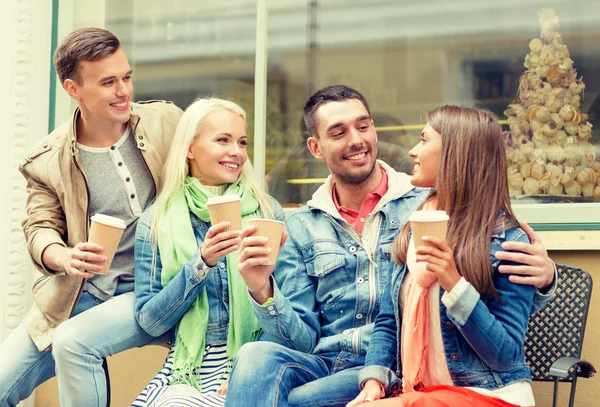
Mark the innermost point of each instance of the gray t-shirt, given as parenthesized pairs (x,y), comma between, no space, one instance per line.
(120,185)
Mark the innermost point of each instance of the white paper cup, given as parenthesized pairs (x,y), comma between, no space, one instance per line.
(106,231)
(428,223)
(225,208)
(272,230)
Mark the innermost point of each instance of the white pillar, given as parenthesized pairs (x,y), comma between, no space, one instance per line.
(25,27)
(260,92)
(73,15)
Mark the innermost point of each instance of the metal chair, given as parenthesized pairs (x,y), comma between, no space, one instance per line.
(555,334)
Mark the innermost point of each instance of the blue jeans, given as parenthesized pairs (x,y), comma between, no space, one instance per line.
(269,374)
(97,330)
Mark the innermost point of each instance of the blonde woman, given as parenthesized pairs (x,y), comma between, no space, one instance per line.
(186,276)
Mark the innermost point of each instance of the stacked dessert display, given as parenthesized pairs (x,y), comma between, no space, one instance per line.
(549,151)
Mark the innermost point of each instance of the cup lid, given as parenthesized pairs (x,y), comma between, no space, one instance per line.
(109,220)
(428,216)
(222,199)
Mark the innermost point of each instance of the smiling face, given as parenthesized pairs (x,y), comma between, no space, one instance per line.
(103,89)
(346,140)
(426,158)
(218,153)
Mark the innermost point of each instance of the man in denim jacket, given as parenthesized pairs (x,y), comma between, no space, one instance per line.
(317,313)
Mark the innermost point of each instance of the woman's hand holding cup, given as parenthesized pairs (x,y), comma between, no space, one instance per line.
(254,265)
(440,260)
(218,242)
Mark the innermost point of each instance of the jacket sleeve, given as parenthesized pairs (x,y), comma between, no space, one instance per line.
(540,300)
(382,353)
(276,210)
(173,114)
(279,213)
(45,222)
(158,308)
(292,318)
(495,330)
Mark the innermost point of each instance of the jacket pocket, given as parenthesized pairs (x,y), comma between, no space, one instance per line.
(331,271)
(386,250)
(55,296)
(325,263)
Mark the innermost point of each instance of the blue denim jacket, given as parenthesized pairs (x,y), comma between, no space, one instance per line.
(483,340)
(328,282)
(159,309)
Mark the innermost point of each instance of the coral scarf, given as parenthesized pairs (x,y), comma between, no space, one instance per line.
(416,318)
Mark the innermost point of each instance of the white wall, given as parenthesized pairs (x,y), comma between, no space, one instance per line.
(73,15)
(25,27)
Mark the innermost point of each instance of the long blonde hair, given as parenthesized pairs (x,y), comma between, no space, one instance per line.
(176,168)
(472,187)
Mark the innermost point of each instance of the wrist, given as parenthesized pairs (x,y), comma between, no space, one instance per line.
(56,257)
(547,284)
(451,282)
(548,287)
(376,385)
(206,261)
(263,294)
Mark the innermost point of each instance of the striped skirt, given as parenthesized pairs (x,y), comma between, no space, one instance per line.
(160,392)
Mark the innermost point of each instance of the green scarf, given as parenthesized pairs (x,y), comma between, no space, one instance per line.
(177,244)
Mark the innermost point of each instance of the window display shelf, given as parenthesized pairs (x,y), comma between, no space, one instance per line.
(570,239)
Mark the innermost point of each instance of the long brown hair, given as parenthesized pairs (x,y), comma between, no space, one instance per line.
(471,187)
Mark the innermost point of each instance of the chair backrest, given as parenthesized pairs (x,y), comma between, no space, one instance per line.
(558,329)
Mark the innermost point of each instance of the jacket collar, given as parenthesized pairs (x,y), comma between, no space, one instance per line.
(398,186)
(134,119)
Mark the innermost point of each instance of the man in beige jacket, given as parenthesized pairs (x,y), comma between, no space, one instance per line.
(106,159)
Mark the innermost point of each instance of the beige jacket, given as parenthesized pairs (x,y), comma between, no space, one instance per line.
(57,205)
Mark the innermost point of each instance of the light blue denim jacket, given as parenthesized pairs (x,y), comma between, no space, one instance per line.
(159,309)
(328,283)
(483,340)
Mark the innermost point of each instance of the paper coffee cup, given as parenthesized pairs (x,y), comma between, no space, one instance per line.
(106,231)
(271,229)
(225,208)
(428,223)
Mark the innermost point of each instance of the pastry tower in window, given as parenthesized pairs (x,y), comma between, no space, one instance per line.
(548,148)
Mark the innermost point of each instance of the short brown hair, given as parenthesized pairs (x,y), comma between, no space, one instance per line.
(335,93)
(85,44)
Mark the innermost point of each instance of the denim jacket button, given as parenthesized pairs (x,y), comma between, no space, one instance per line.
(454,356)
(359,316)
(347,331)
(270,308)
(449,325)
(360,280)
(352,249)
(222,265)
(273,312)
